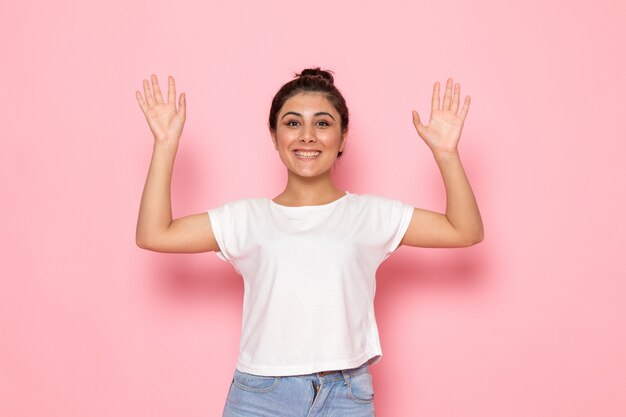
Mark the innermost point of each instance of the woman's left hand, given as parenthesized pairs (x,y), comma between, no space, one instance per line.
(443,131)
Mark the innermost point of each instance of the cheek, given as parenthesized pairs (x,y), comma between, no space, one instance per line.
(284,138)
(331,139)
(283,144)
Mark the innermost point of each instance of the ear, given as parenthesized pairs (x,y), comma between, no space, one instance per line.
(273,135)
(344,138)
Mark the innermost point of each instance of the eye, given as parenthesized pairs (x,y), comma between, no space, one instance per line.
(323,123)
(292,123)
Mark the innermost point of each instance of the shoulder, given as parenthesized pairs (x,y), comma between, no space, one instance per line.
(380,206)
(373,200)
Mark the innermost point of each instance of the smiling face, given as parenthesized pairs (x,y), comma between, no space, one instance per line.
(308,134)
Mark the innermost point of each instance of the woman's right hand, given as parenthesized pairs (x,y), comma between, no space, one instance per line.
(166,123)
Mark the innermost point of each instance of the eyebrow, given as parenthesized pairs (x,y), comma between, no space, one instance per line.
(320,113)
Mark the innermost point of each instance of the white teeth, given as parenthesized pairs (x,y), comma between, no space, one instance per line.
(307,154)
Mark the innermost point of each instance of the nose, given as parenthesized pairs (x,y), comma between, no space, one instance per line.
(308,135)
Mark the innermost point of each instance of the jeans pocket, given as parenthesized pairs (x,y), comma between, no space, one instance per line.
(361,388)
(254,383)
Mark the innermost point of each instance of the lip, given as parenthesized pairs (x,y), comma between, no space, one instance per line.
(304,158)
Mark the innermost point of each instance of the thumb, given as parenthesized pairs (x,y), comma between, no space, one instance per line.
(418,124)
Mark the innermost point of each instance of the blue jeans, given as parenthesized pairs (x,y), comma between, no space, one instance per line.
(345,393)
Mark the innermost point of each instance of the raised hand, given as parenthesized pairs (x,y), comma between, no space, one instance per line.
(166,123)
(443,131)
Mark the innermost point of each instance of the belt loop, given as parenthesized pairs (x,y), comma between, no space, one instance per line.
(346,377)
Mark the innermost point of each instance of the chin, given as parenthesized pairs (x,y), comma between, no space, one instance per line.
(295,168)
(307,173)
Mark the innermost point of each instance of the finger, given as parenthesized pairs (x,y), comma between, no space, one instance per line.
(171,91)
(141,101)
(448,95)
(455,98)
(157,91)
(182,106)
(417,123)
(148,93)
(435,103)
(465,107)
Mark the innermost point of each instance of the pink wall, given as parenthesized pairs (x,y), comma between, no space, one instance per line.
(531,322)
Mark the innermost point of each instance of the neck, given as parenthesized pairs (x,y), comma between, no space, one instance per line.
(303,191)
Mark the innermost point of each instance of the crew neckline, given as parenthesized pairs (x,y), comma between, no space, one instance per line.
(343,197)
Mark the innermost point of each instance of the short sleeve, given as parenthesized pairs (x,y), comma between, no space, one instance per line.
(400,215)
(388,221)
(230,223)
(219,219)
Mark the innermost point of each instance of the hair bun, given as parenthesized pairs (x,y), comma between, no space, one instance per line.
(317,72)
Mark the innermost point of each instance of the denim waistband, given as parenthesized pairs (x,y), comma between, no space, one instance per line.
(344,374)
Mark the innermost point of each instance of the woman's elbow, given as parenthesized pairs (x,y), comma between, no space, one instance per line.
(478,239)
(473,239)
(142,242)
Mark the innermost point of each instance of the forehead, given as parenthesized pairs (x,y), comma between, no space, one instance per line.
(308,103)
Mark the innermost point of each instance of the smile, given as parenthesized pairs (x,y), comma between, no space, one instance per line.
(307,155)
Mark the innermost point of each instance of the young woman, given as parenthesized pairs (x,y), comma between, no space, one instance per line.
(308,256)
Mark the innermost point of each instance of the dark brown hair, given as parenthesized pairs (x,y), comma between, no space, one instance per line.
(311,80)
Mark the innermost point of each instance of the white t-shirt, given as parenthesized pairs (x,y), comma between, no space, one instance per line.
(309,279)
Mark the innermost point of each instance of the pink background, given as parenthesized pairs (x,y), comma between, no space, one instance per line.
(531,322)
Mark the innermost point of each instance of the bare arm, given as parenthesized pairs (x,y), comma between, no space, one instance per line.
(461,225)
(155,228)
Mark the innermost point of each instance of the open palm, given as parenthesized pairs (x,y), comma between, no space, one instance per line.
(166,123)
(443,131)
